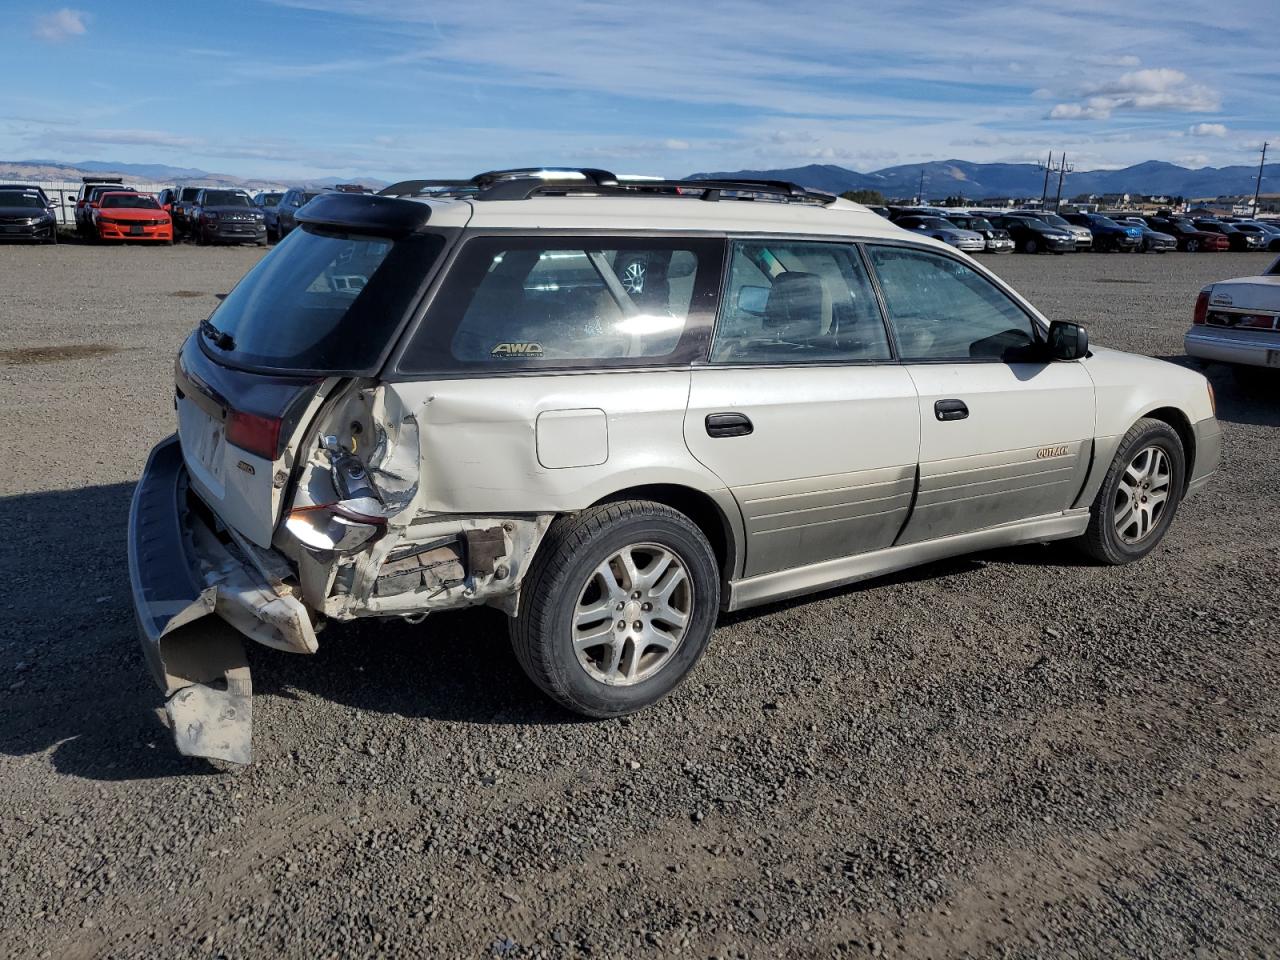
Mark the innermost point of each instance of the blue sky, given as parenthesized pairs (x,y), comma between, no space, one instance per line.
(396,88)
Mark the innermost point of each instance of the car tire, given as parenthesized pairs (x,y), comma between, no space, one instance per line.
(565,592)
(1126,520)
(1193,245)
(1031,245)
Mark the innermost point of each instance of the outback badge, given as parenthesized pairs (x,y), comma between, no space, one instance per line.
(1048,453)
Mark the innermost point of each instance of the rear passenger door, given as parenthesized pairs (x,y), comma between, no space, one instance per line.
(1004,434)
(801,411)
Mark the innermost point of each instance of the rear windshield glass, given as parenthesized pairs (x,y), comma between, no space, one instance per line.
(142,203)
(190,193)
(323,302)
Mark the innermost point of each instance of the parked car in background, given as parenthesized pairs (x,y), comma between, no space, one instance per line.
(166,197)
(1153,241)
(878,210)
(1268,235)
(340,455)
(83,212)
(1188,236)
(1032,235)
(226,216)
(997,239)
(29,188)
(1107,234)
(292,201)
(180,209)
(969,241)
(131,216)
(1083,235)
(25,214)
(267,202)
(1237,240)
(1238,321)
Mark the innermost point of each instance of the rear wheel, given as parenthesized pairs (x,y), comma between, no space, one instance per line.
(617,607)
(1139,495)
(1193,245)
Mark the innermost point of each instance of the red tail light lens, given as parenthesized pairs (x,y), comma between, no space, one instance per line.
(1202,307)
(259,435)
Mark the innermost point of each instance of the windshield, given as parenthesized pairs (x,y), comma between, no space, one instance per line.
(225,198)
(1054,219)
(271,199)
(140,203)
(980,223)
(1097,221)
(25,200)
(323,301)
(190,193)
(931,223)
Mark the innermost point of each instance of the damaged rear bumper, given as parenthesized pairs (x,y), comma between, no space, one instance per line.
(180,573)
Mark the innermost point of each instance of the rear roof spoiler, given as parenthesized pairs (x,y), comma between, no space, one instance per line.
(364,213)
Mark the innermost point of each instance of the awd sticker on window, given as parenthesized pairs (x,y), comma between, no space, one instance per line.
(517,350)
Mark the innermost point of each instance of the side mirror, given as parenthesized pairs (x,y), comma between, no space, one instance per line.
(1068,341)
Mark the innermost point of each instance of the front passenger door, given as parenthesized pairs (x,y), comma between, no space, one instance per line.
(1005,435)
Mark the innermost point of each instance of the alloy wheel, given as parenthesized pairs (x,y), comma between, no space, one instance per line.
(632,614)
(1142,494)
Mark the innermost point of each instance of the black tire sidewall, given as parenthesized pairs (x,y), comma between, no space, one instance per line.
(1154,434)
(582,692)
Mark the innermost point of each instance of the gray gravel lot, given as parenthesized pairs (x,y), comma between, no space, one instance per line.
(1014,754)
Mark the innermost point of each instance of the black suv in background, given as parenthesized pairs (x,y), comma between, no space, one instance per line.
(1032,236)
(226,216)
(289,204)
(181,202)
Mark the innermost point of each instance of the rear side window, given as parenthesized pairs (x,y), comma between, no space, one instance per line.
(798,302)
(942,309)
(571,302)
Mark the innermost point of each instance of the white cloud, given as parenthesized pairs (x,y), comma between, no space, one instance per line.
(61,25)
(1158,89)
(1193,160)
(1208,130)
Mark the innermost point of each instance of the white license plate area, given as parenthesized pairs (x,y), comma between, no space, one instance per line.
(203,442)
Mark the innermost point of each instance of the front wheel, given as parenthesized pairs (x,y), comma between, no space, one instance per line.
(617,607)
(1030,245)
(1139,495)
(1193,246)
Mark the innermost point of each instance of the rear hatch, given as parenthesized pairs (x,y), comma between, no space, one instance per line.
(322,309)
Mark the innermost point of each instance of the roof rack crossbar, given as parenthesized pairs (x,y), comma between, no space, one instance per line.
(526,182)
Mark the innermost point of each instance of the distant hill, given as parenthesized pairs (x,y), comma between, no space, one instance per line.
(945,178)
(21,170)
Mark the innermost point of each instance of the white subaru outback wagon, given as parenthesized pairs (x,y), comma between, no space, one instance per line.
(613,408)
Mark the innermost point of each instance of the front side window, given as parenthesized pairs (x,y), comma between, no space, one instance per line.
(556,302)
(797,301)
(941,309)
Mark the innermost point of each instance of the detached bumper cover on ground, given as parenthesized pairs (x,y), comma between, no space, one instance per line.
(180,573)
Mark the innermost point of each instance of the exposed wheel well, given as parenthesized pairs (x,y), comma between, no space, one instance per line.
(695,505)
(1182,426)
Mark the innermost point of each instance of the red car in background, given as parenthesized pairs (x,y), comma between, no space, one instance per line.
(126,215)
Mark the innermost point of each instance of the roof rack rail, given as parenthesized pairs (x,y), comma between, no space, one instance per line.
(526,182)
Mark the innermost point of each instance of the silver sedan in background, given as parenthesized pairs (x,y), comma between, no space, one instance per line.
(947,232)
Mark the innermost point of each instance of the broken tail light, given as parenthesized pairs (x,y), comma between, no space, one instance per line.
(1202,307)
(256,434)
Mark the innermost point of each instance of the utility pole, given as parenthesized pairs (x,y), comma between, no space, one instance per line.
(1063,169)
(920,191)
(1257,187)
(1044,194)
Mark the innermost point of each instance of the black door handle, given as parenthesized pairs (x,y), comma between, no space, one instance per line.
(950,410)
(729,425)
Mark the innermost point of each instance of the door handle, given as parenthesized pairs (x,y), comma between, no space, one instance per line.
(729,425)
(950,410)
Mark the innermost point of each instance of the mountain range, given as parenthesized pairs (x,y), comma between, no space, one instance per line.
(975,181)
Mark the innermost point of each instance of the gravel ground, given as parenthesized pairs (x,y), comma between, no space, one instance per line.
(1013,754)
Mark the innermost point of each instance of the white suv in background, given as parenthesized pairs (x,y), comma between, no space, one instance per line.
(612,409)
